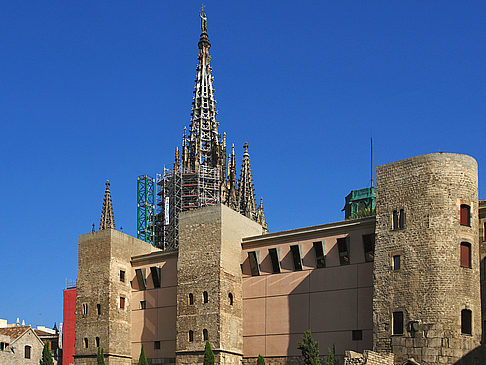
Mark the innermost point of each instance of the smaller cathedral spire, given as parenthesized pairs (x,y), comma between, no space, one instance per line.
(232,197)
(177,162)
(246,190)
(107,216)
(261,215)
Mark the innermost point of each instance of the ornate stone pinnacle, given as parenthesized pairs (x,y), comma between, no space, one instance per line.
(107,216)
(246,190)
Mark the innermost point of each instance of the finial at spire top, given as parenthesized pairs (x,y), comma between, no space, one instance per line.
(204,20)
(107,218)
(245,146)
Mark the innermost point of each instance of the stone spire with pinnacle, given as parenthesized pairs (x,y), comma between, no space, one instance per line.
(232,196)
(107,216)
(204,145)
(246,190)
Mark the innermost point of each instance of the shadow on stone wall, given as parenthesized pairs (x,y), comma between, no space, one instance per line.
(475,357)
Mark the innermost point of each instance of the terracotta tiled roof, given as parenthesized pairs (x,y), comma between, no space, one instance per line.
(13,332)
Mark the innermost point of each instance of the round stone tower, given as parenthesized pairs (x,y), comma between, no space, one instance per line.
(426,300)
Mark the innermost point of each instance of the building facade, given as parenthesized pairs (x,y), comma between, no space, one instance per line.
(403,285)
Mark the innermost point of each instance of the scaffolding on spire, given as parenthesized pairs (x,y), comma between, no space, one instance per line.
(146,208)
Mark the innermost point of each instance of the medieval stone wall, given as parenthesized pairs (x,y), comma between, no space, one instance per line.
(101,257)
(209,261)
(430,287)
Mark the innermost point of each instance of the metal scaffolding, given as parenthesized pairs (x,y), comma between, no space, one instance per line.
(146,208)
(178,191)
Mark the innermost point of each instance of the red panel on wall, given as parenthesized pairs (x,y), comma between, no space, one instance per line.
(465,215)
(69,320)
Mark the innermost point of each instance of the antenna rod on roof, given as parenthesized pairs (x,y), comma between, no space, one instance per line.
(371,161)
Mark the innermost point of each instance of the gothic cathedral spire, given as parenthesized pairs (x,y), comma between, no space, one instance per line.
(246,190)
(107,217)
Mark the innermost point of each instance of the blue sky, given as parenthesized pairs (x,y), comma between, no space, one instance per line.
(101,90)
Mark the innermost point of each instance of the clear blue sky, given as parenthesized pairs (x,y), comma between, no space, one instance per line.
(103,89)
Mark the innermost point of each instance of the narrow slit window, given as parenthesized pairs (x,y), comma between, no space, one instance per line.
(85,343)
(191,336)
(97,342)
(395,219)
(297,256)
(142,284)
(397,262)
(191,299)
(205,297)
(205,335)
(85,309)
(401,219)
(466,322)
(319,249)
(369,247)
(254,258)
(27,352)
(465,215)
(156,276)
(98,309)
(466,254)
(230,298)
(122,276)
(275,258)
(122,303)
(343,248)
(398,323)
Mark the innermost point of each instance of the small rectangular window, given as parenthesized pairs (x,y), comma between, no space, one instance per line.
(398,323)
(369,247)
(142,284)
(156,345)
(465,215)
(401,219)
(466,322)
(343,248)
(98,309)
(254,258)
(97,342)
(122,276)
(319,250)
(275,258)
(143,304)
(397,262)
(156,276)
(466,254)
(85,343)
(122,303)
(85,309)
(357,335)
(27,352)
(395,219)
(297,256)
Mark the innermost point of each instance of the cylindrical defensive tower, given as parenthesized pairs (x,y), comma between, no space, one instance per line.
(426,301)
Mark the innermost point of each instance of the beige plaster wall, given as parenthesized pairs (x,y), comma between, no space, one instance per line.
(331,301)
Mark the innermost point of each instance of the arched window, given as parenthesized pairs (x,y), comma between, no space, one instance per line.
(191,299)
(97,342)
(205,334)
(191,336)
(27,352)
(230,297)
(466,322)
(205,297)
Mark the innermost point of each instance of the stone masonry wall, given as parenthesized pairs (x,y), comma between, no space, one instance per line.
(430,287)
(209,260)
(101,257)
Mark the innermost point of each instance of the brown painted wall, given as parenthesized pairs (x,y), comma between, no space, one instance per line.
(331,301)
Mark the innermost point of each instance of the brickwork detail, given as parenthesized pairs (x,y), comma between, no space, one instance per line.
(430,287)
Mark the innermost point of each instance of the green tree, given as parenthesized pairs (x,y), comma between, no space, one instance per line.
(100,357)
(208,354)
(331,356)
(142,360)
(310,349)
(46,356)
(260,360)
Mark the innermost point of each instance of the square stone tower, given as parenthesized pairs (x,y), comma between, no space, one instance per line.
(103,299)
(209,293)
